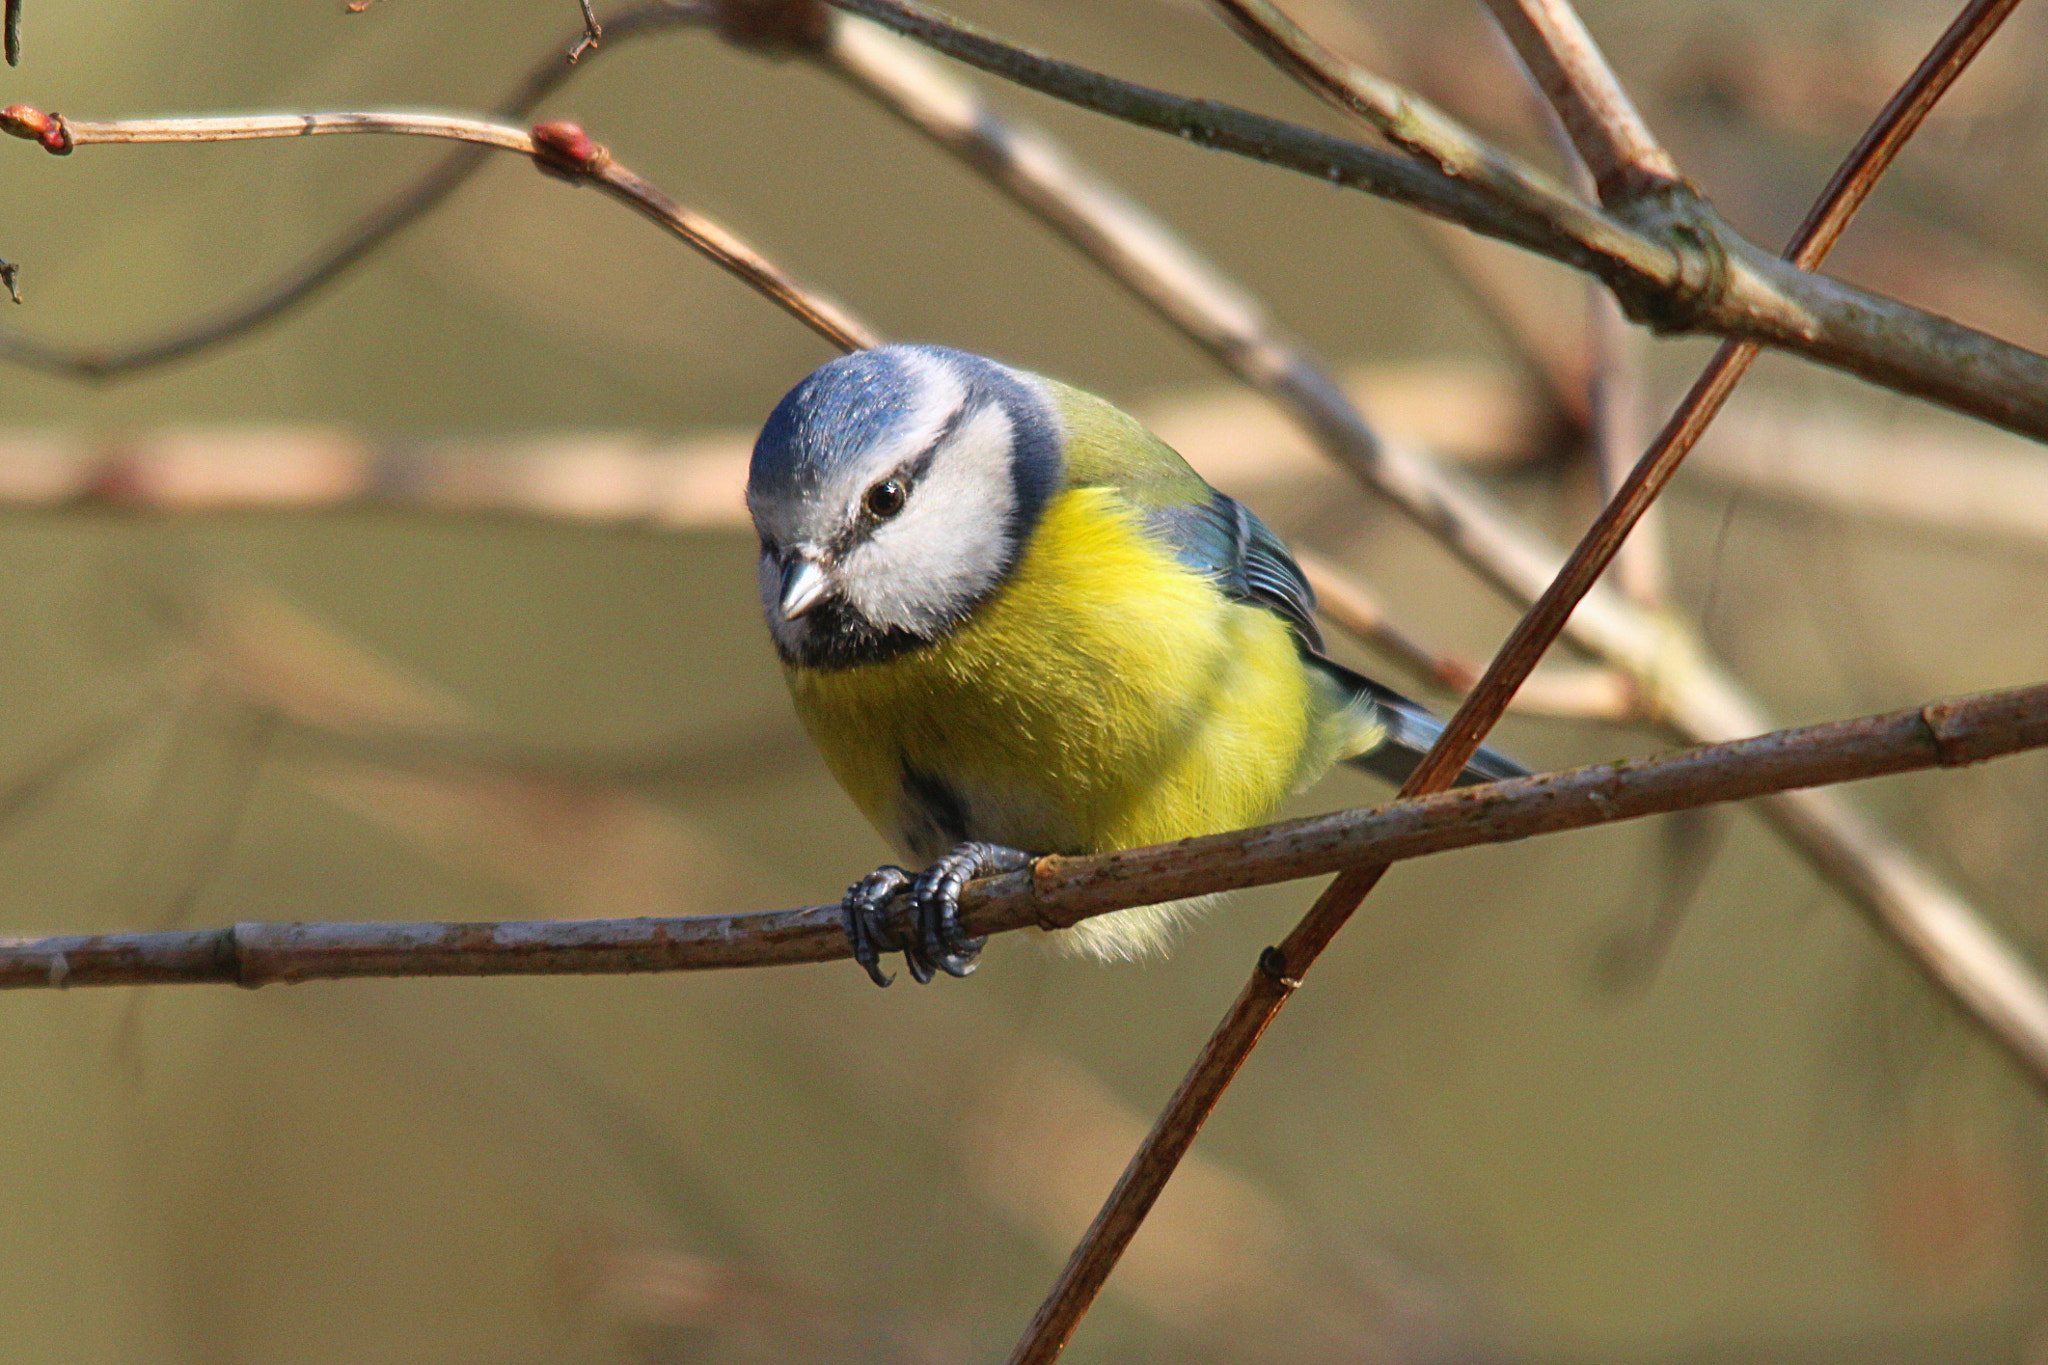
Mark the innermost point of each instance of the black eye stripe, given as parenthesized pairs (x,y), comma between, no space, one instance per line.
(914,469)
(906,474)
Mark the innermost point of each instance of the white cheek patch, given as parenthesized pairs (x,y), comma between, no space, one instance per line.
(948,546)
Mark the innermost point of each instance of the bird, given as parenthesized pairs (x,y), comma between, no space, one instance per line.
(1017,623)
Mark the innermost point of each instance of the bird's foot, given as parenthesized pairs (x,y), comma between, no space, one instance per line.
(938,944)
(865,908)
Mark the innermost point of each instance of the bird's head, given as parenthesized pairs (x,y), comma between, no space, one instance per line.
(893,491)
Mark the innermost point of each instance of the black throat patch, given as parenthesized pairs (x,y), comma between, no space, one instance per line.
(835,636)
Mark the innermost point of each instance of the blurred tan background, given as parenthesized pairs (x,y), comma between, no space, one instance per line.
(1471,1138)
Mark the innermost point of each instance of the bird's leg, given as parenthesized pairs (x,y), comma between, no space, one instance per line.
(935,900)
(865,908)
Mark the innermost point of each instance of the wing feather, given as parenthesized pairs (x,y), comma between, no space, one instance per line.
(1223,539)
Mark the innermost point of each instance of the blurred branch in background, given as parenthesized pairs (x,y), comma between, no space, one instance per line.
(1057,892)
(1922,475)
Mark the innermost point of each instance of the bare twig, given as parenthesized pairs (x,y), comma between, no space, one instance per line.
(593,34)
(1060,892)
(10,276)
(358,242)
(1985,976)
(561,148)
(13,37)
(1678,269)
(1612,140)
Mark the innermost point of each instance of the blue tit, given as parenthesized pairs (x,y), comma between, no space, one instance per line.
(1017,623)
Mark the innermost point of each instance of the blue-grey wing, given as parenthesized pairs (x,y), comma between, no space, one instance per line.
(1220,537)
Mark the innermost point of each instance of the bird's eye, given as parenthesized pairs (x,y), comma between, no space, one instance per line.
(885,499)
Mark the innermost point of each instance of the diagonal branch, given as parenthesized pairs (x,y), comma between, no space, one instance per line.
(1061,892)
(2001,989)
(562,149)
(1672,265)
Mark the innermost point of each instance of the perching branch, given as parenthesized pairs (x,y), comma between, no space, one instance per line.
(1673,264)
(1060,892)
(562,149)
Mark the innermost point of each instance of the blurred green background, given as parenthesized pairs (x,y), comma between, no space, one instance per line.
(1465,1141)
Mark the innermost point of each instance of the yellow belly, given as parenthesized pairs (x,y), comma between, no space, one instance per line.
(1106,697)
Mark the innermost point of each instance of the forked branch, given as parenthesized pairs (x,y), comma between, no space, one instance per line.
(1671,262)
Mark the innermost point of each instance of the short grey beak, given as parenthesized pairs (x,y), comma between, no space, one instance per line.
(803,583)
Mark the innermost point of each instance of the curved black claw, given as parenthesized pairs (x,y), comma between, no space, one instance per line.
(935,899)
(865,908)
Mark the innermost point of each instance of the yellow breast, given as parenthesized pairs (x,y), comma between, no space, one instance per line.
(1105,697)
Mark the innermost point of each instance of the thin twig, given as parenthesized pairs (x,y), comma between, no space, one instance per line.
(1061,892)
(593,34)
(358,242)
(13,37)
(560,148)
(1985,976)
(1612,140)
(1674,265)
